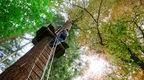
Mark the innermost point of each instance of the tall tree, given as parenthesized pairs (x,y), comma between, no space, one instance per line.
(19,17)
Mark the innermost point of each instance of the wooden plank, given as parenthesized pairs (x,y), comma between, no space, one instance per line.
(39,66)
(44,58)
(30,78)
(37,72)
(43,62)
(48,50)
(34,76)
(45,54)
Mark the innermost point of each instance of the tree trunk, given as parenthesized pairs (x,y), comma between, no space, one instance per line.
(32,65)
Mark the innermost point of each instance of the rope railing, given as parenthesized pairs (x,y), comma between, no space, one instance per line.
(51,56)
(35,63)
(52,53)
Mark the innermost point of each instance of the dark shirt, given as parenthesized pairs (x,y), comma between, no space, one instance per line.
(62,36)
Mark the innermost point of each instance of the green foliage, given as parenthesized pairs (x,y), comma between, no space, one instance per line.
(24,16)
(112,35)
(19,17)
(118,37)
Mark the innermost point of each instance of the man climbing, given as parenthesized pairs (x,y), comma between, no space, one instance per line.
(62,36)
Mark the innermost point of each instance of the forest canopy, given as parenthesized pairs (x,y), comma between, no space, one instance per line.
(110,28)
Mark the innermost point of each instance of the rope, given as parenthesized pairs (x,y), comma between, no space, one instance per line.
(35,62)
(51,54)
(51,63)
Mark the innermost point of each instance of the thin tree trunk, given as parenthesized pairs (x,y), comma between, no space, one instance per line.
(136,60)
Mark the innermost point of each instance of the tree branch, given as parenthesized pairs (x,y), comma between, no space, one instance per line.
(99,12)
(14,52)
(134,20)
(95,20)
(136,60)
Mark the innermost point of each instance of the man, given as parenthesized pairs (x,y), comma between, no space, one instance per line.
(62,36)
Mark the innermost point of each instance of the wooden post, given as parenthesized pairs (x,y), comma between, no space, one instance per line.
(31,65)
